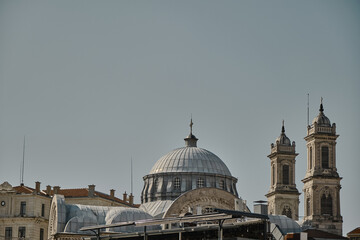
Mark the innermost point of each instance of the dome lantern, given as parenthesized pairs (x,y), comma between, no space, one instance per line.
(190,140)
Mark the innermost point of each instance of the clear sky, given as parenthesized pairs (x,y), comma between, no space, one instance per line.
(93,84)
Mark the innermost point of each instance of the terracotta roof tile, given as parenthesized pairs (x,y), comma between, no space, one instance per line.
(26,190)
(84,192)
(356,231)
(314,233)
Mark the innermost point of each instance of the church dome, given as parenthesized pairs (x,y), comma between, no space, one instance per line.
(184,169)
(321,119)
(190,159)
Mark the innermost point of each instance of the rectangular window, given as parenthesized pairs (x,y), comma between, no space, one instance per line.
(43,210)
(310,158)
(41,234)
(22,231)
(285,174)
(22,209)
(8,233)
(325,157)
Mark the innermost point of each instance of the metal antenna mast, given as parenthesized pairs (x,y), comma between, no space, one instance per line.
(131,176)
(308,123)
(23,165)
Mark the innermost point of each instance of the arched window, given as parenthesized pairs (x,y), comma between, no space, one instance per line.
(308,213)
(287,211)
(156,183)
(222,184)
(273,174)
(326,204)
(177,183)
(310,158)
(324,157)
(200,183)
(285,174)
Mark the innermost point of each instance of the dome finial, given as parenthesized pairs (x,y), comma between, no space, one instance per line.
(190,141)
(283,127)
(191,124)
(321,105)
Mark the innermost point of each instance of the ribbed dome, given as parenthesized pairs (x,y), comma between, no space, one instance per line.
(321,119)
(283,139)
(190,159)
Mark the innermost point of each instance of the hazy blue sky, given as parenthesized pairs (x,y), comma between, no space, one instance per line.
(93,83)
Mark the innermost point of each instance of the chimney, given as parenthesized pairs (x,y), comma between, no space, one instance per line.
(125,196)
(37,187)
(131,199)
(112,193)
(48,190)
(56,189)
(91,190)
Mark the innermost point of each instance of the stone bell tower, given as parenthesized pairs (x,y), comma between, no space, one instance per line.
(283,196)
(322,181)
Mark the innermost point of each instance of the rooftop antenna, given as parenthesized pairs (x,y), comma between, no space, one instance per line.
(308,96)
(131,176)
(23,165)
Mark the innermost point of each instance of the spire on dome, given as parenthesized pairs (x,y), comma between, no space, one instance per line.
(190,140)
(283,139)
(321,105)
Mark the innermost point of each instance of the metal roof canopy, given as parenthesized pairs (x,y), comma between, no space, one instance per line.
(150,222)
(222,214)
(239,214)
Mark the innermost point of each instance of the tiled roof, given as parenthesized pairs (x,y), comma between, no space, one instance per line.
(314,233)
(26,190)
(356,231)
(84,192)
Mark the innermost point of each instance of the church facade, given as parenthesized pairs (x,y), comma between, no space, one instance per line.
(321,182)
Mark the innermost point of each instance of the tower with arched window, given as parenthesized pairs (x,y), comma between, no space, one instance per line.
(322,181)
(283,196)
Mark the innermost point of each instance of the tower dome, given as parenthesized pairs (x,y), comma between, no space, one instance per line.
(283,139)
(321,119)
(184,169)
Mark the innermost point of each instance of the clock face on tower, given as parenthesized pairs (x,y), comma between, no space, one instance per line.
(2,203)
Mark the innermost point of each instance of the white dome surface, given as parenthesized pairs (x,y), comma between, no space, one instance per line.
(190,159)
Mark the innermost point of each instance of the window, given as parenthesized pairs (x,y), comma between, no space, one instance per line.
(156,183)
(22,231)
(177,184)
(222,184)
(310,158)
(326,204)
(22,209)
(287,211)
(273,174)
(308,207)
(200,183)
(208,210)
(325,157)
(43,210)
(41,234)
(8,233)
(285,173)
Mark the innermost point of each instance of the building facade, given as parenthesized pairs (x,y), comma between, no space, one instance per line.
(283,196)
(322,181)
(24,212)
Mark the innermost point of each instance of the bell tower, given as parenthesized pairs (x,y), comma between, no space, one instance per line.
(283,196)
(322,181)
